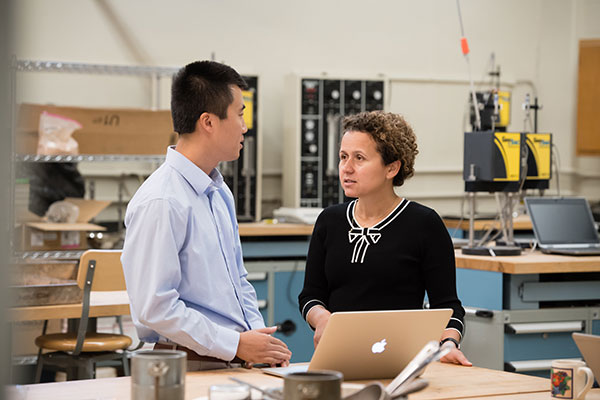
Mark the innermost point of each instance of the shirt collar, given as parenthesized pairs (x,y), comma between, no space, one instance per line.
(198,179)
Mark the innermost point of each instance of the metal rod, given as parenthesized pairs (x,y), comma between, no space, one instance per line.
(332,137)
(248,172)
(83,68)
(120,216)
(511,232)
(535,111)
(471,219)
(154,84)
(88,157)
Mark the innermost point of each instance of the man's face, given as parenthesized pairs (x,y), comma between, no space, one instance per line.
(231,130)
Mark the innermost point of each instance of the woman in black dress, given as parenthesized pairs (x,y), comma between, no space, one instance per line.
(380,251)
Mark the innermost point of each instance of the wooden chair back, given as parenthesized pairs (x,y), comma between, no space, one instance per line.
(108,271)
(99,270)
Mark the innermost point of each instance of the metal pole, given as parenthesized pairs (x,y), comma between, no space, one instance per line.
(472,219)
(511,232)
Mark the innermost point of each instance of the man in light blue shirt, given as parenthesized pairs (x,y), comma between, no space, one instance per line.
(182,255)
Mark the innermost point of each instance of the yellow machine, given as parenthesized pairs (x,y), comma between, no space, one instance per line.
(492,161)
(539,160)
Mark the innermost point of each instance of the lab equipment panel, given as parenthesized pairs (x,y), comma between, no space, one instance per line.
(314,118)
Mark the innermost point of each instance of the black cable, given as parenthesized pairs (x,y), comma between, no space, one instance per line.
(289,285)
(556,162)
(484,238)
(462,216)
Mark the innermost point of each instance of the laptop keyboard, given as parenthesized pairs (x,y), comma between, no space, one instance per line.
(591,250)
(573,251)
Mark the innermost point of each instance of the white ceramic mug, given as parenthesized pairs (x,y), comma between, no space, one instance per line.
(570,379)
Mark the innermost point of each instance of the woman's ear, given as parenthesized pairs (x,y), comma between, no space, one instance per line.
(393,169)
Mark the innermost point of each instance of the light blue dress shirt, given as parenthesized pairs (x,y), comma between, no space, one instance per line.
(183,264)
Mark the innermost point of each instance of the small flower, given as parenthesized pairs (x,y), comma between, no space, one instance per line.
(555,390)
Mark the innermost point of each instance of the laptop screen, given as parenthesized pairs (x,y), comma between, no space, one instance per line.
(562,220)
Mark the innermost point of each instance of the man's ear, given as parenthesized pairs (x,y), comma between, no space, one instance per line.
(205,122)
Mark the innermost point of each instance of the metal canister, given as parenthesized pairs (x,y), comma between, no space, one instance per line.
(158,375)
(313,385)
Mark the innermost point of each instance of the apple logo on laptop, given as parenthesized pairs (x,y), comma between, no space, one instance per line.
(378,347)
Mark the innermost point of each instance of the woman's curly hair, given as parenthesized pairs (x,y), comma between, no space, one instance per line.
(393,136)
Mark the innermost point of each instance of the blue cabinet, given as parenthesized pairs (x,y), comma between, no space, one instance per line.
(532,346)
(277,284)
(288,285)
(521,322)
(260,281)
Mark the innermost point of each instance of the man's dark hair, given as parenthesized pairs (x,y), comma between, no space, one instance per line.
(199,87)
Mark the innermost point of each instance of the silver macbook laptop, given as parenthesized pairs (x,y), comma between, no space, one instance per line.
(589,346)
(563,225)
(373,344)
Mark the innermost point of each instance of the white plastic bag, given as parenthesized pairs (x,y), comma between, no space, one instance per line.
(55,135)
(62,211)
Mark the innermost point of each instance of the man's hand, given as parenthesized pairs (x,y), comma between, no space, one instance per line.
(258,346)
(455,356)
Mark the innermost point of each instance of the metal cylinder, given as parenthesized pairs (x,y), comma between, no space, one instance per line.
(158,375)
(313,385)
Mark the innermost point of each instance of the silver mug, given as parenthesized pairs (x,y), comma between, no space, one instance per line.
(158,374)
(313,385)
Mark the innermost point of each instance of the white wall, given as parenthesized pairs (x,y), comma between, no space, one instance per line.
(416,43)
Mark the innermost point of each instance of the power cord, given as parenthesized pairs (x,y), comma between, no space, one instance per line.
(462,216)
(556,163)
(465,50)
(289,285)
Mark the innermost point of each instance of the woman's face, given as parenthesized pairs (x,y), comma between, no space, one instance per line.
(362,171)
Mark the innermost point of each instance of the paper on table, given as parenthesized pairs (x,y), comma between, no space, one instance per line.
(281,372)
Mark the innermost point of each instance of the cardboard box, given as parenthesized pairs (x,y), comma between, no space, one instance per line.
(104,131)
(24,334)
(44,282)
(43,235)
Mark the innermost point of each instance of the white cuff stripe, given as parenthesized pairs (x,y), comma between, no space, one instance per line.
(459,332)
(307,303)
(456,319)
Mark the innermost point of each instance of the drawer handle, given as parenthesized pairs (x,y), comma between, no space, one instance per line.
(545,327)
(479,313)
(531,365)
(256,276)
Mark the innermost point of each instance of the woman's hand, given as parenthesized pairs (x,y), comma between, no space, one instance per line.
(451,339)
(319,329)
(317,317)
(455,356)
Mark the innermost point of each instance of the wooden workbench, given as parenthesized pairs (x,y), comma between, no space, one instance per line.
(446,381)
(265,229)
(521,223)
(529,263)
(102,304)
